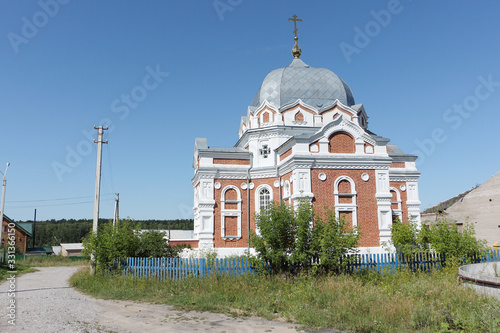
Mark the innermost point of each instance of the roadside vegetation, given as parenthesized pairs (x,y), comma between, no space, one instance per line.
(112,244)
(25,264)
(305,279)
(364,302)
(19,269)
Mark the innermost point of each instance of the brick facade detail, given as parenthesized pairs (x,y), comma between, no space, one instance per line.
(231,161)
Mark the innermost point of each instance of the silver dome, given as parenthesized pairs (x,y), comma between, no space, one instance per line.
(317,87)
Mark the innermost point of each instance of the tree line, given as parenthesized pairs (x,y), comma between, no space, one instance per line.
(53,232)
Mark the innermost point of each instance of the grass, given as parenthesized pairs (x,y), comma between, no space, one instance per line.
(20,269)
(25,264)
(367,302)
(52,260)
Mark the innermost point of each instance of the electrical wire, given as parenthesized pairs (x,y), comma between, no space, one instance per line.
(60,204)
(58,199)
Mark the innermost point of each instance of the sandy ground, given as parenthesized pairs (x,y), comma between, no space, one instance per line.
(46,303)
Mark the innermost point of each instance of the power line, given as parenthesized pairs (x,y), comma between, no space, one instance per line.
(53,205)
(59,199)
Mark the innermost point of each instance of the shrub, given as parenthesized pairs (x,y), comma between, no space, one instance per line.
(443,237)
(334,239)
(288,242)
(455,245)
(277,236)
(112,244)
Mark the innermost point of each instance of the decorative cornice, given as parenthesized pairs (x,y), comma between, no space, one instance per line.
(400,178)
(231,176)
(206,205)
(267,173)
(265,135)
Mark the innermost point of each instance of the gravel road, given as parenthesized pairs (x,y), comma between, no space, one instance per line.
(46,303)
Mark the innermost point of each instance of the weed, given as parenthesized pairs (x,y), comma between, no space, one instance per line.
(366,302)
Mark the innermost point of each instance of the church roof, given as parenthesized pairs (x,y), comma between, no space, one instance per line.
(317,87)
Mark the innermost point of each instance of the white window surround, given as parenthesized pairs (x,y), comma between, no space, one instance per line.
(271,118)
(258,192)
(346,207)
(259,195)
(286,190)
(230,212)
(398,211)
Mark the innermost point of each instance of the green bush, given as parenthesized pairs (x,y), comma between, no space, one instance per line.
(288,242)
(456,246)
(112,244)
(333,239)
(443,237)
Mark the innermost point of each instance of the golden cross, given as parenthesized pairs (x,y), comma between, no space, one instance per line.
(295,20)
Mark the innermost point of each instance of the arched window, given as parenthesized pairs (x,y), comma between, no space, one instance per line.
(264,198)
(231,213)
(286,190)
(345,200)
(396,204)
(299,116)
(265,117)
(341,142)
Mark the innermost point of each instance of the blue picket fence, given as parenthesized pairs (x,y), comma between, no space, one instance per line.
(178,268)
(390,262)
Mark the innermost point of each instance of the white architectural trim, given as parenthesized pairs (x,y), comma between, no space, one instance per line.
(230,212)
(346,207)
(257,195)
(398,211)
(257,200)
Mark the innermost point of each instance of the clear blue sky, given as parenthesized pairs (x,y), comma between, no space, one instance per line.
(66,68)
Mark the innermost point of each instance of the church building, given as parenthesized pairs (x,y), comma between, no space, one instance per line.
(303,137)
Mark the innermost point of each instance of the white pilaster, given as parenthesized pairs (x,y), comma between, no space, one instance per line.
(206,213)
(301,185)
(383,196)
(413,203)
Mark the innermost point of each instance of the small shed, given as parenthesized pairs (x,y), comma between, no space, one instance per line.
(71,249)
(19,231)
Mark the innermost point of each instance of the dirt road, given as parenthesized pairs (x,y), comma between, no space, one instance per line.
(44,302)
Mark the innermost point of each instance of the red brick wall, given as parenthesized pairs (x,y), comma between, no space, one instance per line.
(242,242)
(231,161)
(193,243)
(286,154)
(397,164)
(367,215)
(347,217)
(341,142)
(366,204)
(231,225)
